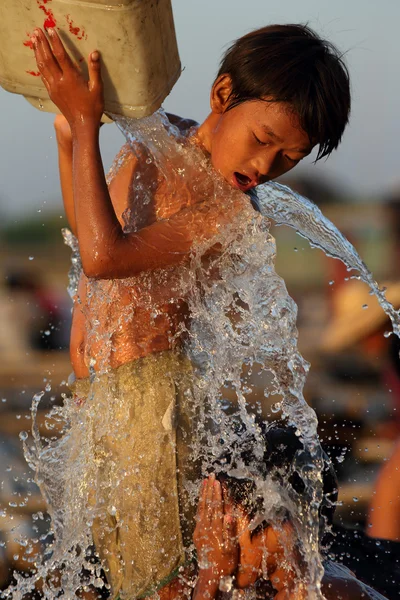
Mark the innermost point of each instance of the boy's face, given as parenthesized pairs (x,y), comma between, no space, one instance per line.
(254,142)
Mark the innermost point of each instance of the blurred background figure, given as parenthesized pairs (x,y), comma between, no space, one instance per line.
(384,514)
(359,324)
(39,311)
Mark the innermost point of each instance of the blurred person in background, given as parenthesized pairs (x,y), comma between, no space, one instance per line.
(360,322)
(384,513)
(40,316)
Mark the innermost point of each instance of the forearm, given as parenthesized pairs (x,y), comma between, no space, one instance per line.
(98,228)
(107,252)
(206,586)
(65,170)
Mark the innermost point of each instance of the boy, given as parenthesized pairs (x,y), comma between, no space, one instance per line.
(280,91)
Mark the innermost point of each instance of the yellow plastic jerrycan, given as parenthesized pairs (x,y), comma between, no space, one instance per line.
(136,39)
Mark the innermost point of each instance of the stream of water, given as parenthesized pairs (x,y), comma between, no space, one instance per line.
(242,330)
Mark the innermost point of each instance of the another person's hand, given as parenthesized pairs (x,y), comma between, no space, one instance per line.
(215,533)
(80,101)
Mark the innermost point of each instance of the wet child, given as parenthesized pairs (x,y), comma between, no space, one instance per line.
(262,558)
(280,92)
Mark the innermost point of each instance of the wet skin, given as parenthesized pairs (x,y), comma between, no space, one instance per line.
(247,145)
(253,142)
(226,547)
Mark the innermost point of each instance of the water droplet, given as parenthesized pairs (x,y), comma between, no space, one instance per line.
(387,334)
(48,387)
(355,499)
(365,306)
(23,436)
(332,281)
(31,257)
(276,407)
(112,510)
(225,584)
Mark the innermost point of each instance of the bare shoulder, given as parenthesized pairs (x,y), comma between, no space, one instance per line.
(131,156)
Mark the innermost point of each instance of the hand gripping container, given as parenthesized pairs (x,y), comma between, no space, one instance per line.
(136,38)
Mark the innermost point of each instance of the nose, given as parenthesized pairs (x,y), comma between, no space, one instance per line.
(265,163)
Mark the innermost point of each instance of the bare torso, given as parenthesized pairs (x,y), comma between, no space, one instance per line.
(142,318)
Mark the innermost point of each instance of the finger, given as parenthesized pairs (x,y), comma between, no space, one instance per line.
(94,66)
(201,506)
(230,524)
(63,59)
(218,512)
(45,58)
(243,529)
(282,580)
(230,539)
(283,595)
(210,496)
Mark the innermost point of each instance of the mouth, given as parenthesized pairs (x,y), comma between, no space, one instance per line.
(243,182)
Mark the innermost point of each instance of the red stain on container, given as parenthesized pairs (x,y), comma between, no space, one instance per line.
(77,31)
(33,73)
(50,21)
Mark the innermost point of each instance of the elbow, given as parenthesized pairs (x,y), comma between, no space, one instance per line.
(96,266)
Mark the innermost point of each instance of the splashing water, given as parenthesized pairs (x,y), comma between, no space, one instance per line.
(285,207)
(242,327)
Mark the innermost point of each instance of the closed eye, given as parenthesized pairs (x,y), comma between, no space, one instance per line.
(261,143)
(293,160)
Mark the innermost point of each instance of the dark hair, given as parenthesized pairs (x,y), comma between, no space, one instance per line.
(283,454)
(290,63)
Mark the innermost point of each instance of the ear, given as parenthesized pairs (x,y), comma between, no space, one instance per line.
(220,93)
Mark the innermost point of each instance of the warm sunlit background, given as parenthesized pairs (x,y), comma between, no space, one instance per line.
(355,388)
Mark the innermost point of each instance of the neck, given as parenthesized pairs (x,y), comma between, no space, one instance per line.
(205,132)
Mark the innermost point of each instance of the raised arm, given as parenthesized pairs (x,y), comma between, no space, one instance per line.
(64,147)
(65,150)
(106,251)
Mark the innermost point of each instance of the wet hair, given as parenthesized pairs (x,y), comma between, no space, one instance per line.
(283,455)
(292,64)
